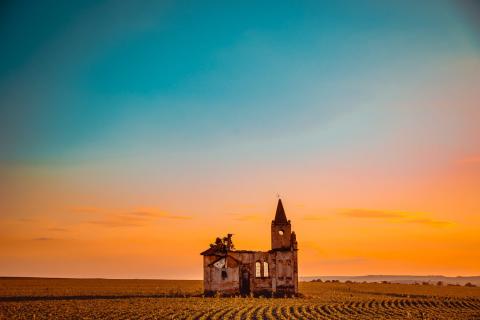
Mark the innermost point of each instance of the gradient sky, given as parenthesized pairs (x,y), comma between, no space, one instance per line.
(132,133)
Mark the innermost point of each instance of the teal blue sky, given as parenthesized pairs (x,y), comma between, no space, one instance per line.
(80,77)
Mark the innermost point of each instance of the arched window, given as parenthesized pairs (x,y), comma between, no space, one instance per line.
(265,269)
(258,273)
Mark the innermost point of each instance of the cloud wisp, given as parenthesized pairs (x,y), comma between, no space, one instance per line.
(247,217)
(473,159)
(86,210)
(314,217)
(43,239)
(429,222)
(368,213)
(394,216)
(57,229)
(135,218)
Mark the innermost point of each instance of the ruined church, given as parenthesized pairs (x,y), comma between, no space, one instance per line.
(228,271)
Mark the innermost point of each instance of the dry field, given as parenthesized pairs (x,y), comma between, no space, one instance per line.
(163,299)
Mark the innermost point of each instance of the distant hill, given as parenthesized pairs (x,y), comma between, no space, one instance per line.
(398,279)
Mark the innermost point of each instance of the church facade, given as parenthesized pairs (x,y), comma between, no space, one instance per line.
(228,271)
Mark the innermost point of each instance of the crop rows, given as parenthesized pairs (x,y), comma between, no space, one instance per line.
(163,299)
(372,309)
(242,309)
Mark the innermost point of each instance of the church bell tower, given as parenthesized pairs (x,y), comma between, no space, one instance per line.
(281,230)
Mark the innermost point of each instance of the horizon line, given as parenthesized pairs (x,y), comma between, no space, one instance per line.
(199,279)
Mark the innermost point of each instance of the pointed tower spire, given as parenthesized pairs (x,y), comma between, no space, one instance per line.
(280,216)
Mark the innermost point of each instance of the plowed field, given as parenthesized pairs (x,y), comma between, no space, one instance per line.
(161,299)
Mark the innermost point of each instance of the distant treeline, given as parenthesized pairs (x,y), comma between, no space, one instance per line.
(424,283)
(405,279)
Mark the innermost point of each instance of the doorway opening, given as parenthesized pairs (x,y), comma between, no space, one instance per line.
(244,282)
